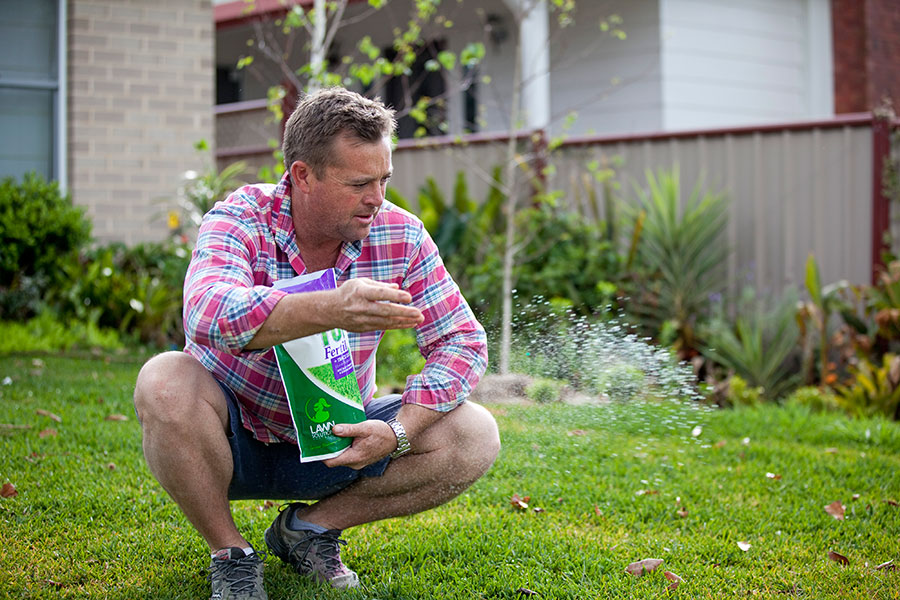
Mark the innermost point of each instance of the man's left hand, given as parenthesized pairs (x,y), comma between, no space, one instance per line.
(372,441)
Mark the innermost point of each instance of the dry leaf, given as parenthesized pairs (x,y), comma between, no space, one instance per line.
(682,513)
(47,433)
(597,511)
(538,509)
(836,510)
(12,426)
(640,567)
(855,497)
(720,444)
(111,466)
(48,414)
(773,476)
(9,490)
(675,579)
(838,558)
(116,418)
(646,492)
(744,546)
(577,432)
(892,502)
(886,566)
(520,502)
(526,592)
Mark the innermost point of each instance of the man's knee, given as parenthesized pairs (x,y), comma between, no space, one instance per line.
(168,387)
(476,440)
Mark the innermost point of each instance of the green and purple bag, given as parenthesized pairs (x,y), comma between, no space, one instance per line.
(319,379)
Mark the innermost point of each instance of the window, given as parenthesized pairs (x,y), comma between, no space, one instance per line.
(32,88)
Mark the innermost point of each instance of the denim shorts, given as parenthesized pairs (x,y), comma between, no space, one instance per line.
(274,471)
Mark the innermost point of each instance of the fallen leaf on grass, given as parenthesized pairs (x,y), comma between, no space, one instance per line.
(639,568)
(526,592)
(519,502)
(836,510)
(111,466)
(892,502)
(682,513)
(12,426)
(838,558)
(49,415)
(116,418)
(538,509)
(47,432)
(646,492)
(744,546)
(886,566)
(597,511)
(720,444)
(773,476)
(9,490)
(675,579)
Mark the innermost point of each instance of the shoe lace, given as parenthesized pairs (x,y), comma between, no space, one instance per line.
(239,574)
(328,548)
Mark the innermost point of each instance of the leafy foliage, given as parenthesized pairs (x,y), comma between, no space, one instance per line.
(680,257)
(39,228)
(758,345)
(875,389)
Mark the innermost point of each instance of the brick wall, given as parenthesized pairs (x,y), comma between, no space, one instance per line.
(141,93)
(866,50)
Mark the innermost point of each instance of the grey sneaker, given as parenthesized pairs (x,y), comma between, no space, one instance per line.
(236,576)
(314,555)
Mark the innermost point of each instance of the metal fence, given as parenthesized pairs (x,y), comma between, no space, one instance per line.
(793,190)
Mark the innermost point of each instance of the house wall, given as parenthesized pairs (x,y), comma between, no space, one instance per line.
(613,85)
(867,47)
(754,61)
(140,95)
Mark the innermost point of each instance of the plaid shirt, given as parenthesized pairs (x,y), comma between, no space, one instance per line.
(247,242)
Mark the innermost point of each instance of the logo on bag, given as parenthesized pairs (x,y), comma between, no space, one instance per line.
(318,413)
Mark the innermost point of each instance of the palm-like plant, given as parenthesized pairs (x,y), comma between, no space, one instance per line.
(680,257)
(759,345)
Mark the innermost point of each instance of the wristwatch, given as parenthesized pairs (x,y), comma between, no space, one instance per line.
(403,446)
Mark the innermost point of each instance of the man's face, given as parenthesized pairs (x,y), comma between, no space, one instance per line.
(341,206)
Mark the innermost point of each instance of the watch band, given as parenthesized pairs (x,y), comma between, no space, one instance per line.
(403,446)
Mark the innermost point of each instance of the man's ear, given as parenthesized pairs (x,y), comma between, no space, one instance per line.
(300,174)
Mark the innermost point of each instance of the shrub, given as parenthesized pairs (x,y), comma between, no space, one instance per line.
(874,389)
(759,345)
(45,333)
(679,258)
(39,229)
(813,398)
(543,391)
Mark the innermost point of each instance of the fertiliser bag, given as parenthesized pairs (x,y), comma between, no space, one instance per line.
(319,379)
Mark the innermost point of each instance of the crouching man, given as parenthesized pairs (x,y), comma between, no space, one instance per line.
(216,423)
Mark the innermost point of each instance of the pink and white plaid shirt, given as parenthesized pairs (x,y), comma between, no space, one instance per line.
(246,243)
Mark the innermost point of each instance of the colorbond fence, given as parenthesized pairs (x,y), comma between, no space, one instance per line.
(793,189)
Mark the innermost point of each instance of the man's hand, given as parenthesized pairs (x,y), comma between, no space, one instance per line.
(359,305)
(368,305)
(372,441)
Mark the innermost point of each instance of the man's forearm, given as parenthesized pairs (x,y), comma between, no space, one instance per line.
(295,316)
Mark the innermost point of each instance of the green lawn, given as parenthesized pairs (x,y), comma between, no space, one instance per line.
(616,484)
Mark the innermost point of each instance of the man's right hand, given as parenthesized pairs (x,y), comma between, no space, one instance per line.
(369,305)
(358,305)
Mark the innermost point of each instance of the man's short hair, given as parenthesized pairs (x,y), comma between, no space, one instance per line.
(323,116)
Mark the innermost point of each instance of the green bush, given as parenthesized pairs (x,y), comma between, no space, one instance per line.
(398,357)
(46,334)
(679,257)
(136,291)
(543,391)
(758,345)
(39,229)
(813,398)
